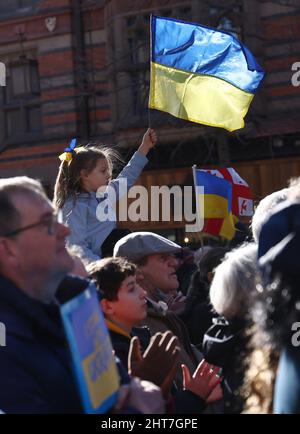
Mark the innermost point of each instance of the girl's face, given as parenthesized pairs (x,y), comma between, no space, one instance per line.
(98,177)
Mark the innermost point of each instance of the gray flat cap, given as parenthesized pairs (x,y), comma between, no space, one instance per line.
(137,245)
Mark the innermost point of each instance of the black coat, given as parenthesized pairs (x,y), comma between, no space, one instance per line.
(35,366)
(36,375)
(183,401)
(121,343)
(225,345)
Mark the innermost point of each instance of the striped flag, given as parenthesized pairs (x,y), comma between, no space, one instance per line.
(201,74)
(239,201)
(242,198)
(217,202)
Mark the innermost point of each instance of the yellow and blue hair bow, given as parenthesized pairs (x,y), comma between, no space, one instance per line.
(67,155)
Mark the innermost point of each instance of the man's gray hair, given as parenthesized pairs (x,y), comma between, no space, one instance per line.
(234,281)
(10,217)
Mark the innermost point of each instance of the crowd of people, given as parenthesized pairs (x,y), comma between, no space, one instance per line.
(213,331)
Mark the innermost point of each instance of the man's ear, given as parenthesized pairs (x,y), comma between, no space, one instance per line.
(107,307)
(8,252)
(210,276)
(139,275)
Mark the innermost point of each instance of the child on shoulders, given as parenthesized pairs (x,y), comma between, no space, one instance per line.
(83,171)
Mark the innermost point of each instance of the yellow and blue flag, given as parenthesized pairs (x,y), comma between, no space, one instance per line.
(217,203)
(201,74)
(91,350)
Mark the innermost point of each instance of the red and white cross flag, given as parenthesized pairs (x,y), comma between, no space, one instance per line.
(242,199)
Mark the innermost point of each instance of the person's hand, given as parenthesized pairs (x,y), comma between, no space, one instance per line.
(148,142)
(140,395)
(204,380)
(159,362)
(176,304)
(215,395)
(122,397)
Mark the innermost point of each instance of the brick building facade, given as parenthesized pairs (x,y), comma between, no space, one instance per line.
(81,68)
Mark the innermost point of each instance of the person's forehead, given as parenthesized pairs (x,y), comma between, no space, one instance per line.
(102,163)
(128,282)
(160,256)
(129,279)
(32,207)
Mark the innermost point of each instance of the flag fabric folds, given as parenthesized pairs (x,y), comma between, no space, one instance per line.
(226,196)
(201,74)
(221,227)
(217,202)
(242,199)
(217,194)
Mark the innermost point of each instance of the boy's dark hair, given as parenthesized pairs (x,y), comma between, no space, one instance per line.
(109,273)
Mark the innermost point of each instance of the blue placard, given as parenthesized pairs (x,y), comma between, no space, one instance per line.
(91,350)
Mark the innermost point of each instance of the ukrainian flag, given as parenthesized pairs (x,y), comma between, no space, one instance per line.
(201,74)
(217,201)
(217,194)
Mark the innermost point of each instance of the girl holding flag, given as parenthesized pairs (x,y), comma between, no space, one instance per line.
(82,172)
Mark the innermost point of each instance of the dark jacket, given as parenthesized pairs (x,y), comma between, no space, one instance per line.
(121,340)
(162,321)
(183,401)
(35,365)
(199,321)
(225,345)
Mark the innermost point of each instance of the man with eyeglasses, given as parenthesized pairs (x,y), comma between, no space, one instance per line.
(35,365)
(32,240)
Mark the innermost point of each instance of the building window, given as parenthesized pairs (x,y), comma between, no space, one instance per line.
(228,26)
(138,46)
(15,6)
(228,19)
(20,102)
(132,74)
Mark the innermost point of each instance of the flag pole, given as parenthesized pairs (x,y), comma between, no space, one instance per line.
(150,57)
(149,118)
(194,167)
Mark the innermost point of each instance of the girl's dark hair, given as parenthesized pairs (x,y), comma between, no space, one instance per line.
(68,181)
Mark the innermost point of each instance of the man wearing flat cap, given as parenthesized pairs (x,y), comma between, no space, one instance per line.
(157,264)
(155,257)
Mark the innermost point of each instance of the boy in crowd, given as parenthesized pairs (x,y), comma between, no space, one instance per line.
(125,306)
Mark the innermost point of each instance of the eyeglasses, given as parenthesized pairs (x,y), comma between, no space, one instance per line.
(51,223)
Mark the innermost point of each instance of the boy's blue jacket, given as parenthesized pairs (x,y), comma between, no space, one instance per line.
(87,232)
